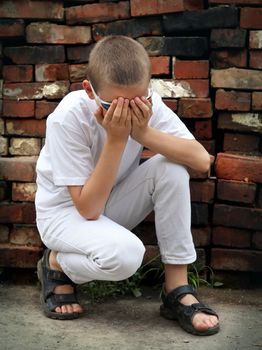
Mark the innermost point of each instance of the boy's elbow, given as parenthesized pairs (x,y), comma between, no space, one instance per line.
(90,214)
(205,163)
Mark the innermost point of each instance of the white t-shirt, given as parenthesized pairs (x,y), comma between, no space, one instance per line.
(74,141)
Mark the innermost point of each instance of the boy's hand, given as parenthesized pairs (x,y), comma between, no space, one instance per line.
(116,120)
(141,110)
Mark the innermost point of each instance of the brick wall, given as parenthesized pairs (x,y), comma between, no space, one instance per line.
(206,60)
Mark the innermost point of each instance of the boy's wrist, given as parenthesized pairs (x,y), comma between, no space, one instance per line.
(142,135)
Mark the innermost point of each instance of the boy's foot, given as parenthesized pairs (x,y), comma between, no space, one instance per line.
(181,304)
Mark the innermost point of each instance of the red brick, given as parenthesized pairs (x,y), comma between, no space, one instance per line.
(102,12)
(201,236)
(195,108)
(191,69)
(239,167)
(255,59)
(236,259)
(28,9)
(4,190)
(23,191)
(199,213)
(76,86)
(203,129)
(26,127)
(209,145)
(146,232)
(249,122)
(231,237)
(51,72)
(78,54)
(202,191)
(233,100)
(44,108)
(25,235)
(160,65)
(35,54)
(236,191)
(17,213)
(257,100)
(18,73)
(11,28)
(241,143)
(229,58)
(255,39)
(251,18)
(50,33)
(171,103)
(19,256)
(197,175)
(18,169)
(36,91)
(235,2)
(151,7)
(199,87)
(78,72)
(257,240)
(4,233)
(259,199)
(235,216)
(236,78)
(22,109)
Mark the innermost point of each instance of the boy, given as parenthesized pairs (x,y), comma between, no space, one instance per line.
(92,190)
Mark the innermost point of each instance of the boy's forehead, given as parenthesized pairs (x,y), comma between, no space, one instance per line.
(110,92)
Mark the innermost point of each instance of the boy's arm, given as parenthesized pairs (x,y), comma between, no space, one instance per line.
(183,151)
(90,199)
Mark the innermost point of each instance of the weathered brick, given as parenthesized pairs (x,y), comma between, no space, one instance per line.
(235,38)
(35,54)
(2,126)
(49,33)
(160,65)
(255,39)
(239,167)
(195,108)
(236,78)
(18,169)
(4,190)
(4,234)
(36,91)
(257,100)
(201,236)
(102,12)
(169,88)
(26,127)
(218,17)
(199,214)
(44,108)
(257,240)
(148,7)
(32,9)
(203,129)
(146,232)
(175,46)
(23,73)
(229,58)
(198,87)
(209,145)
(240,122)
(241,143)
(17,213)
(135,27)
(235,2)
(190,69)
(202,191)
(231,237)
(236,259)
(24,146)
(51,72)
(171,103)
(22,109)
(255,59)
(3,146)
(236,191)
(78,72)
(19,256)
(76,86)
(251,18)
(233,100)
(25,235)
(79,54)
(11,28)
(23,192)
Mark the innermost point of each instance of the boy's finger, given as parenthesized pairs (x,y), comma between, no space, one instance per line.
(109,113)
(136,109)
(125,110)
(142,105)
(99,115)
(118,110)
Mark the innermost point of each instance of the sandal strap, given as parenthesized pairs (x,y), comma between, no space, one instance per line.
(58,276)
(200,307)
(178,293)
(55,300)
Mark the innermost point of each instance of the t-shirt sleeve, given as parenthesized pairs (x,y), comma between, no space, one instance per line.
(166,120)
(70,155)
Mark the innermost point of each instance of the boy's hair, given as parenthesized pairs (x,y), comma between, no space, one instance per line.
(118,60)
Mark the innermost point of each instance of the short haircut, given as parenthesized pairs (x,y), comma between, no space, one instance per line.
(118,60)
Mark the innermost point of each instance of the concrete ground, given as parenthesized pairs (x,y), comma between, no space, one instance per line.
(127,323)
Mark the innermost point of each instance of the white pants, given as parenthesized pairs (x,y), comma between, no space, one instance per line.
(106,249)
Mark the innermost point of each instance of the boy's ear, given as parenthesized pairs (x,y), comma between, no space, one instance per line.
(87,87)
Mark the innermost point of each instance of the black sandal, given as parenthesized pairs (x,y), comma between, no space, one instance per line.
(172,309)
(49,279)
